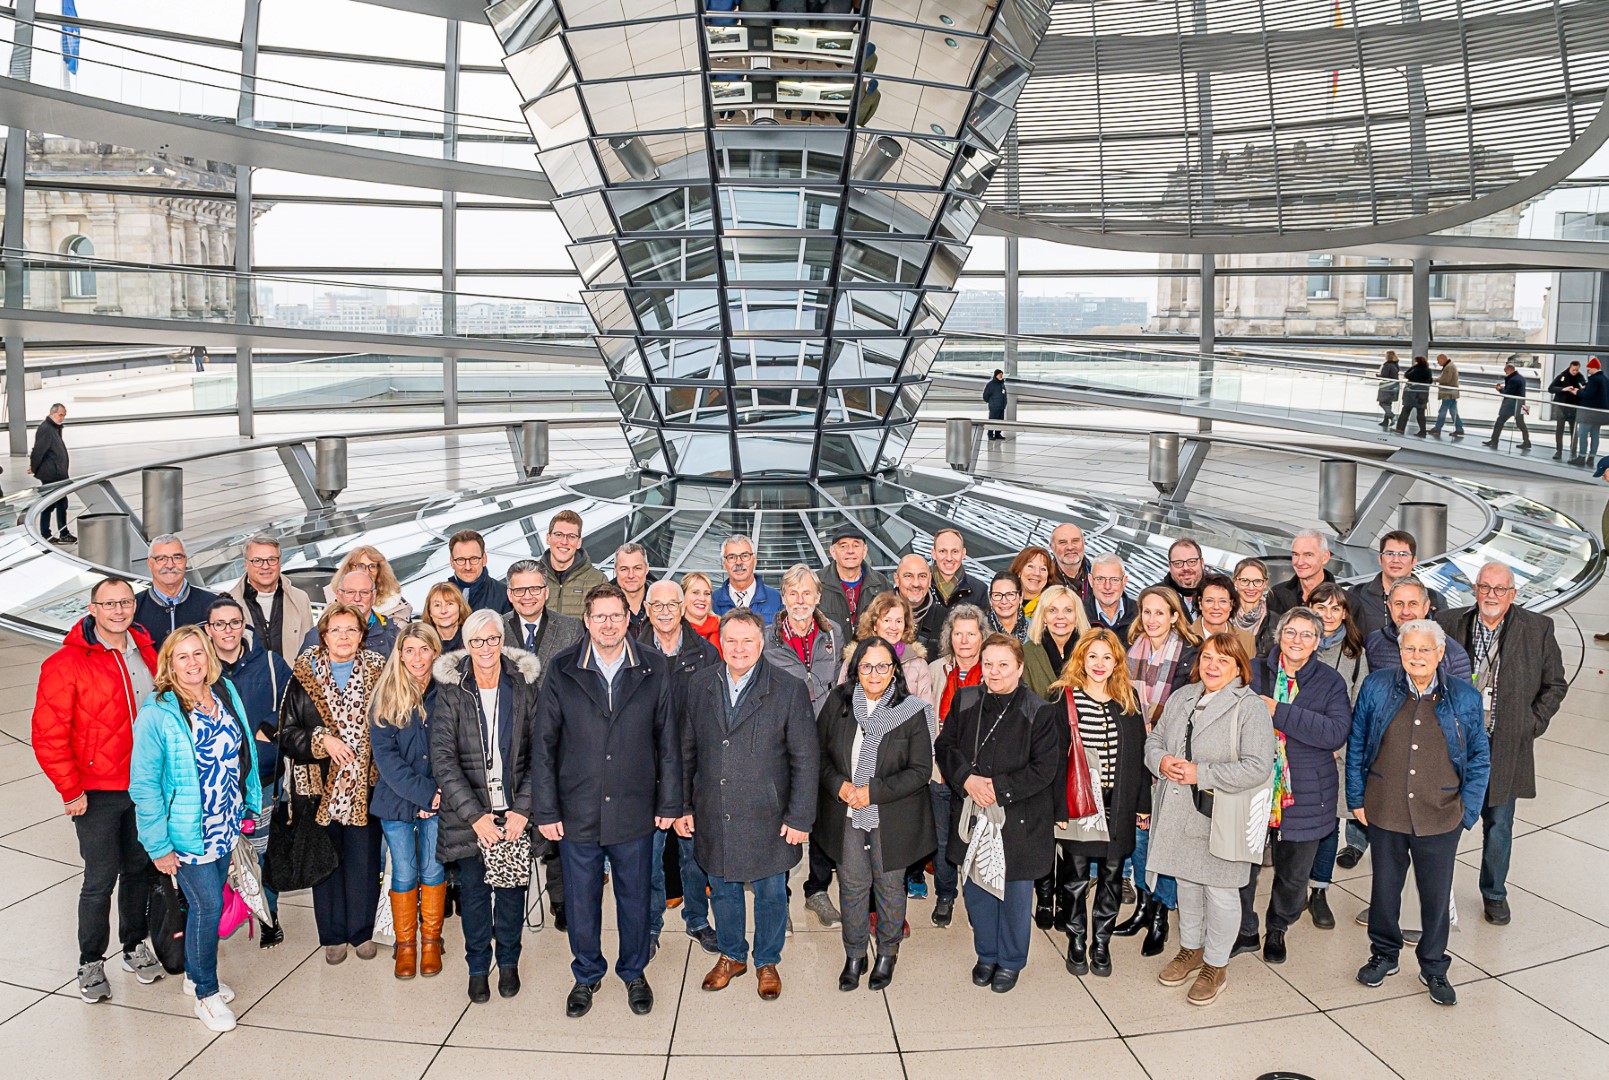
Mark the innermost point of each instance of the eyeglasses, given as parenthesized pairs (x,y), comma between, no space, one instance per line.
(341,631)
(483,642)
(1396,554)
(1107,580)
(230,624)
(612,617)
(370,568)
(468,560)
(1290,633)
(568,538)
(1417,650)
(1251,582)
(262,563)
(355,594)
(1004,595)
(738,556)
(1494,590)
(112,605)
(169,560)
(665,605)
(527,590)
(1184,564)
(876,669)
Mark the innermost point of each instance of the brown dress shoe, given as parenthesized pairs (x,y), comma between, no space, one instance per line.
(770,982)
(1209,984)
(725,970)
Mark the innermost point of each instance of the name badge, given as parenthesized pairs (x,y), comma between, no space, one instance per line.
(1486,701)
(495,785)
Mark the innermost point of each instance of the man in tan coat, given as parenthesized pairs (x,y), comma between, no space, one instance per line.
(1447,397)
(279,613)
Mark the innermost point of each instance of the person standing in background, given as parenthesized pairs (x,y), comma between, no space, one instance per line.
(48,463)
(994,392)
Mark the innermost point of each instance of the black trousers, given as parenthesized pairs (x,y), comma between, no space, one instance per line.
(1108,892)
(821,868)
(1432,858)
(1562,420)
(109,843)
(1412,404)
(344,903)
(57,509)
(1293,865)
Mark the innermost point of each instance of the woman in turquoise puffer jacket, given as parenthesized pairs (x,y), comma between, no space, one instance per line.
(193,779)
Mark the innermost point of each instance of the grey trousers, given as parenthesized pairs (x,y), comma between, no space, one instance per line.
(860,873)
(1209,918)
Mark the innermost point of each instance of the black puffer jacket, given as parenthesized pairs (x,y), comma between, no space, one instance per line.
(457,754)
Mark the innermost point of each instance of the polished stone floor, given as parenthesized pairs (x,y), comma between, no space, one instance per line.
(1532,999)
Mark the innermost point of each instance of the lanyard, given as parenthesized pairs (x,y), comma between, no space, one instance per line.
(488,726)
(984,737)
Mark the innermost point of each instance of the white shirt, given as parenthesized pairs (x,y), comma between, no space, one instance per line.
(854,758)
(744,598)
(527,629)
(488,704)
(609,668)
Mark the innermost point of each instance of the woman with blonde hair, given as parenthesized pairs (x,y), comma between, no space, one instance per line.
(1058,621)
(1095,699)
(406,799)
(193,781)
(445,611)
(1034,567)
(324,732)
(889,617)
(698,593)
(388,601)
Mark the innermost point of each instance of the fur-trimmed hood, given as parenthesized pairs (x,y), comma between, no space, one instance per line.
(451,669)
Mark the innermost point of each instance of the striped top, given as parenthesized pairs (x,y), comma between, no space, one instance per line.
(1097,726)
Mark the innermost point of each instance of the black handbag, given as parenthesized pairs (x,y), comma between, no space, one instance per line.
(300,854)
(166,913)
(1202,797)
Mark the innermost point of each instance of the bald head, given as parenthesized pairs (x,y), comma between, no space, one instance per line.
(913,578)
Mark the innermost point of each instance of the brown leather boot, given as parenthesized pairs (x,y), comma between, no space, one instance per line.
(432,912)
(405,920)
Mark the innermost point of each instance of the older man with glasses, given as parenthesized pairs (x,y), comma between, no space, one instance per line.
(280,614)
(171,601)
(356,587)
(742,589)
(1108,603)
(1520,675)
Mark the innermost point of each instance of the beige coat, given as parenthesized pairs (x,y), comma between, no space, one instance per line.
(1447,383)
(296,618)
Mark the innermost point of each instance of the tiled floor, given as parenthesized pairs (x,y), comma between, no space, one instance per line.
(1532,994)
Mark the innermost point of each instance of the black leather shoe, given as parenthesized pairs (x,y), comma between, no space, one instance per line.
(943,912)
(1135,922)
(1156,931)
(640,996)
(1004,979)
(1348,857)
(579,1001)
(1044,913)
(1441,991)
(1100,958)
(1077,955)
(272,935)
(882,973)
(1246,943)
(480,992)
(559,922)
(1318,906)
(1274,947)
(508,982)
(1496,913)
(982,974)
(849,978)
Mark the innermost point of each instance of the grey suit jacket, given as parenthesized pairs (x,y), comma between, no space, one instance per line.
(562,632)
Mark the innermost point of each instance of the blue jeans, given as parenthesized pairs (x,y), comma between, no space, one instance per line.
(695,901)
(413,853)
(203,889)
(656,886)
(1001,929)
(487,911)
(770,918)
(631,869)
(1323,871)
(1497,844)
(946,875)
(1356,835)
(1167,890)
(1448,408)
(1585,442)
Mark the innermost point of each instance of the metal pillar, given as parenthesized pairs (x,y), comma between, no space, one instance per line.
(16,169)
(244,300)
(533,447)
(1163,467)
(1421,308)
(1013,294)
(449,228)
(1209,335)
(162,500)
(329,468)
(1338,493)
(103,539)
(958,443)
(1427,521)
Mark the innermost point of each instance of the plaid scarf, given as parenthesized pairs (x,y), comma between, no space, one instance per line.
(1151,672)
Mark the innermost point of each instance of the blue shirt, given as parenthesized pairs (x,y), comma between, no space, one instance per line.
(217,736)
(341,672)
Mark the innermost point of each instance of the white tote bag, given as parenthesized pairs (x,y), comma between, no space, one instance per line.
(983,833)
(1240,819)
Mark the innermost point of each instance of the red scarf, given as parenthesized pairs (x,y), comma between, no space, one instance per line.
(953,681)
(709,630)
(802,646)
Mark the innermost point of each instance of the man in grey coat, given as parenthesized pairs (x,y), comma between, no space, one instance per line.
(751,766)
(1520,675)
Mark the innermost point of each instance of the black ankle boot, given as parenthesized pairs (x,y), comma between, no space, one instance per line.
(1077,957)
(1044,910)
(882,972)
(1136,922)
(1100,958)
(1156,931)
(854,968)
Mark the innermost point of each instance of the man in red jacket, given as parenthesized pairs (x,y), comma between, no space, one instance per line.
(83,735)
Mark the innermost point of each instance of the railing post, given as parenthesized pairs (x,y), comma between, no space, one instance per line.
(162,500)
(958,443)
(329,469)
(1163,466)
(1427,521)
(533,447)
(1338,493)
(104,539)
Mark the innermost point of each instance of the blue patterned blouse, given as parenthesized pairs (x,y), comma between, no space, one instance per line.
(217,737)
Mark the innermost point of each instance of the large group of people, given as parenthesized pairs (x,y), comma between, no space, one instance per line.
(1046,746)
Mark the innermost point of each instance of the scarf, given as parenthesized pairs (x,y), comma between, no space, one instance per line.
(1151,672)
(343,713)
(953,681)
(1330,641)
(875,720)
(802,646)
(1250,619)
(1019,629)
(1285,691)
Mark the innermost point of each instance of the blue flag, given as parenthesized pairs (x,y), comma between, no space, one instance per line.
(70,36)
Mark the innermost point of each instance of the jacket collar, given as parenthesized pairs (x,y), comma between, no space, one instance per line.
(760,682)
(1222,704)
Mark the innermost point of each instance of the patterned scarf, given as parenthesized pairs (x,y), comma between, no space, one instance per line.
(877,720)
(1251,619)
(343,713)
(1151,671)
(1285,691)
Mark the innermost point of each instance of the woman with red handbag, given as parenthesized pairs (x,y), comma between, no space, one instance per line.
(1108,789)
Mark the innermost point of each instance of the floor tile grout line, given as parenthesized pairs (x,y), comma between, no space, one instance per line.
(445,1039)
(77,867)
(1366,1047)
(1548,1008)
(676,1016)
(47,888)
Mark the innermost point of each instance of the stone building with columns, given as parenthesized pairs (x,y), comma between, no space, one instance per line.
(183,213)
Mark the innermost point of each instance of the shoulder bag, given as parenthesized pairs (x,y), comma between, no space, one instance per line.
(1240,819)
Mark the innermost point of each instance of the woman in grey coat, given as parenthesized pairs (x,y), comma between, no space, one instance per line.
(1193,745)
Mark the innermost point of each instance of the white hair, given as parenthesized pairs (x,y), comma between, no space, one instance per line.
(1315,535)
(662,584)
(1423,626)
(1504,568)
(1109,559)
(736,538)
(478,620)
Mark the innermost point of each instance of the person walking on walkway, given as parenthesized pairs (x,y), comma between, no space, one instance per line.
(1513,390)
(1565,388)
(1416,395)
(48,462)
(1592,411)
(1390,376)
(1447,397)
(994,392)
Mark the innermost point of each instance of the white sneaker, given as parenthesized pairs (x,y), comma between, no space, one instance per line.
(224,992)
(215,1014)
